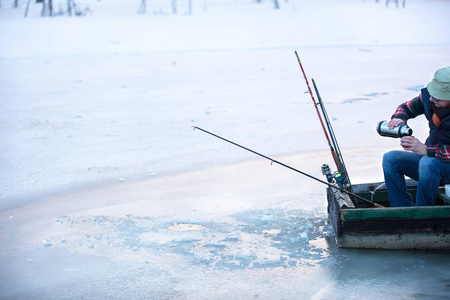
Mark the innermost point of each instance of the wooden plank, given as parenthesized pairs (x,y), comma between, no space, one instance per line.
(395,241)
(342,199)
(396,212)
(397,225)
(444,197)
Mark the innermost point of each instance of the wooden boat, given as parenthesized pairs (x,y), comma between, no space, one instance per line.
(364,226)
(388,228)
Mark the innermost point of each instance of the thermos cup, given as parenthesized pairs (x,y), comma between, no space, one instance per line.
(396,132)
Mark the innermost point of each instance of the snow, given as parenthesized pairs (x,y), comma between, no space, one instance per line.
(96,116)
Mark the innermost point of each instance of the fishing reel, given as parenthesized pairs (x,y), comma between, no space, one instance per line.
(327,172)
(335,177)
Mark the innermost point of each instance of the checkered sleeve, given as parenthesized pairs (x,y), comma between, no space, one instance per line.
(442,152)
(410,109)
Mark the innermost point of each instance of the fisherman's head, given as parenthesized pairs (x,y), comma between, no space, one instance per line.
(439,87)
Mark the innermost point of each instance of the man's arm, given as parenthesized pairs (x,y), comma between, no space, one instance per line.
(412,144)
(409,109)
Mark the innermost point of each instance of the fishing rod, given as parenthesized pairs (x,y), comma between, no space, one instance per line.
(289,167)
(333,153)
(342,168)
(341,175)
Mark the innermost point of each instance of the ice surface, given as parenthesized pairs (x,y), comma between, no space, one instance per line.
(95,127)
(98,99)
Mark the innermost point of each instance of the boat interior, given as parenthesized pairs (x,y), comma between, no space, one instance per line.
(376,192)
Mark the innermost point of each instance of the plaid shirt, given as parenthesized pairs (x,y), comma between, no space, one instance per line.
(412,109)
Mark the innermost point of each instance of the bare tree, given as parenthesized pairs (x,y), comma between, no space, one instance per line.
(395,1)
(190,7)
(26,9)
(174,6)
(143,7)
(47,7)
(276,3)
(70,6)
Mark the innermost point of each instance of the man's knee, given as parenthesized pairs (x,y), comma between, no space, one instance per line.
(431,164)
(431,168)
(389,159)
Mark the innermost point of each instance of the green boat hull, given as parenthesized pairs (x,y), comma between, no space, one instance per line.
(388,228)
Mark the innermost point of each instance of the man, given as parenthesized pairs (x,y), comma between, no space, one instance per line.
(429,163)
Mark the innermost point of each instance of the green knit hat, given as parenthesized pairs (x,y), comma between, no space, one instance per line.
(439,87)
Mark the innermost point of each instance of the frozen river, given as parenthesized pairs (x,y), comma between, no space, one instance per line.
(107,192)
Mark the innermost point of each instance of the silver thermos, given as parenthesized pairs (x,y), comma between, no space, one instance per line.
(396,132)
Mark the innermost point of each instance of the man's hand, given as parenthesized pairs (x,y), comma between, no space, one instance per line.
(395,122)
(410,143)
